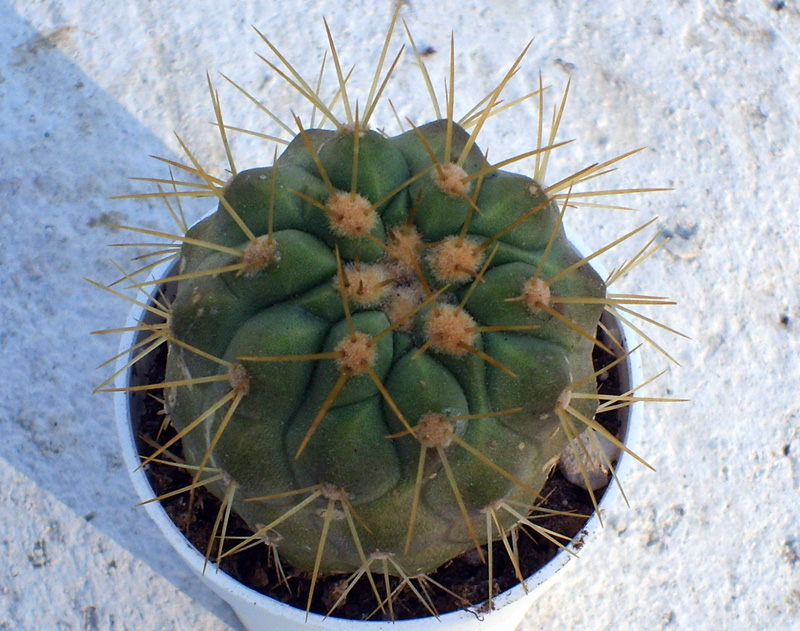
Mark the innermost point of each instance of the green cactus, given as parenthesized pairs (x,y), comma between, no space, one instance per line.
(391,348)
(380,345)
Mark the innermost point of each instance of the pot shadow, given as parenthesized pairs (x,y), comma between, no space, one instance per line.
(66,147)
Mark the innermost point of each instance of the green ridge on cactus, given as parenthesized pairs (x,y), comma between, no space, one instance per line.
(488,347)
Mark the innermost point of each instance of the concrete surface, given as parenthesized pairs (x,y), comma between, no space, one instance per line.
(88,90)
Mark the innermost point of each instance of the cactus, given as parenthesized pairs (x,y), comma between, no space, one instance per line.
(383,345)
(380,345)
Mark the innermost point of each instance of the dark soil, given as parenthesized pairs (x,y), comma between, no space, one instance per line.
(466,576)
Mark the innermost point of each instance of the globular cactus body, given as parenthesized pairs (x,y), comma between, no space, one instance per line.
(387,363)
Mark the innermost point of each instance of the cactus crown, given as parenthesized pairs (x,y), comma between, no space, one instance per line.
(380,345)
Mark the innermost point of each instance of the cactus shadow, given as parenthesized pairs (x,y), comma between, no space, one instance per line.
(66,146)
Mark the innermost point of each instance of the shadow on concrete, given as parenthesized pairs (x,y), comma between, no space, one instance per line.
(66,147)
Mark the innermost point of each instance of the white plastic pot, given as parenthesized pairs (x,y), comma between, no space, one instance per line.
(261,613)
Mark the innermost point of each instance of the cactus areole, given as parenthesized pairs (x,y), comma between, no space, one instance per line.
(390,353)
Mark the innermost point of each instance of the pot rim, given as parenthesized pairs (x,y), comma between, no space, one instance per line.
(235,592)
